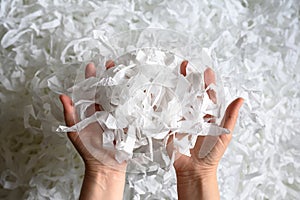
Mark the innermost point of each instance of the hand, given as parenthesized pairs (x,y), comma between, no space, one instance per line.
(104,177)
(202,171)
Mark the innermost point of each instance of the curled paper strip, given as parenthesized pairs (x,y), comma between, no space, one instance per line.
(143,103)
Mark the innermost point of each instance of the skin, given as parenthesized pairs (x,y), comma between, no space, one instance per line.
(196,177)
(100,181)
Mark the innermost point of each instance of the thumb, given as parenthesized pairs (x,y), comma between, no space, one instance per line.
(230,118)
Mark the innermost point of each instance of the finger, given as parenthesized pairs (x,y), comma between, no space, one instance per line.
(109,64)
(69,111)
(69,114)
(210,78)
(183,67)
(170,145)
(232,112)
(207,144)
(92,109)
(230,118)
(90,70)
(198,145)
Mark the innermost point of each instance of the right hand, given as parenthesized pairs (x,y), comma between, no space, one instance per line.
(100,158)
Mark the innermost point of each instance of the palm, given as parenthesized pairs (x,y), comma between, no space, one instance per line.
(219,144)
(184,163)
(88,142)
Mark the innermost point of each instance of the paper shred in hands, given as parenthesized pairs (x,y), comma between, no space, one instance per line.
(145,102)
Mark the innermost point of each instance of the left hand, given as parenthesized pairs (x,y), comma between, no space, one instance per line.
(188,167)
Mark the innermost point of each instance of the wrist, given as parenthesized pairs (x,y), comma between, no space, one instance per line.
(190,177)
(198,173)
(102,182)
(198,185)
(97,167)
(102,172)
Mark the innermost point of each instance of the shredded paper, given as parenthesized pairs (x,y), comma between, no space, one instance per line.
(45,45)
(145,101)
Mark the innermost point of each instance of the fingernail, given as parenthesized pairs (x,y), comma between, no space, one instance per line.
(183,67)
(109,64)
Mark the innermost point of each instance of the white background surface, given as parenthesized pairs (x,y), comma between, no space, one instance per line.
(256,44)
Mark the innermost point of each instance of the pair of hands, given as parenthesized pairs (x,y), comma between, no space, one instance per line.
(189,170)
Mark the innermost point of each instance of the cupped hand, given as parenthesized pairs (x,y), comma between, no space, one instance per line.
(201,166)
(88,142)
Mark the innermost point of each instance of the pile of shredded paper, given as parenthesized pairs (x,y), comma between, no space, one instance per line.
(45,44)
(145,101)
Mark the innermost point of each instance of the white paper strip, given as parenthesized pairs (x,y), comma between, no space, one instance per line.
(150,99)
